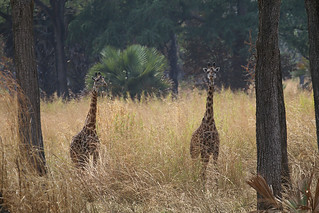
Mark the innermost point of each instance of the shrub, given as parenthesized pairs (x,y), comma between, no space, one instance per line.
(133,71)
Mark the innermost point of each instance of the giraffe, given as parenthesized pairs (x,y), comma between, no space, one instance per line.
(86,142)
(205,139)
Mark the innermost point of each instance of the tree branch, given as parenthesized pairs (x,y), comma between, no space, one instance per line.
(5,16)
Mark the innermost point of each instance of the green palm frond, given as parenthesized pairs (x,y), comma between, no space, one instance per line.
(134,71)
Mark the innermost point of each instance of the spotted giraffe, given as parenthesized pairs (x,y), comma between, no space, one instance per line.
(205,139)
(86,142)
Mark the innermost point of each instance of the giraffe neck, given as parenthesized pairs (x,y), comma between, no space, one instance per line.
(209,114)
(91,117)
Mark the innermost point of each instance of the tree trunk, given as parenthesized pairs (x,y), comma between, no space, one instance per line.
(56,13)
(312,7)
(272,161)
(29,123)
(285,174)
(58,7)
(172,57)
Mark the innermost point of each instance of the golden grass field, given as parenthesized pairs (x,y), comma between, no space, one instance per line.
(145,164)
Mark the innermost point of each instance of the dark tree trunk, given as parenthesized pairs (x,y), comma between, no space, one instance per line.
(172,57)
(285,174)
(58,7)
(312,7)
(45,53)
(241,7)
(77,68)
(56,13)
(272,160)
(29,122)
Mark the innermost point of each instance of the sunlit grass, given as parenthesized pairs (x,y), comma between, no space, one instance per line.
(145,164)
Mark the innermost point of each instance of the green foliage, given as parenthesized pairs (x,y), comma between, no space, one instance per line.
(218,34)
(101,23)
(206,30)
(118,22)
(223,21)
(293,26)
(152,22)
(133,71)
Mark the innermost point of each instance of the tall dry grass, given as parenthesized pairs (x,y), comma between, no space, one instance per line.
(145,164)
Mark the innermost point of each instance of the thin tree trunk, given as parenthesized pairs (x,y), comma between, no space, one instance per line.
(60,36)
(29,123)
(270,111)
(172,57)
(285,173)
(56,13)
(312,7)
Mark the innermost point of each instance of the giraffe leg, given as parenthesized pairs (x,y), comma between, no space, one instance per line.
(216,150)
(82,161)
(205,161)
(215,158)
(77,159)
(95,157)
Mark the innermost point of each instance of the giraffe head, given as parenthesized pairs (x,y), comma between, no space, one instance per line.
(211,71)
(98,81)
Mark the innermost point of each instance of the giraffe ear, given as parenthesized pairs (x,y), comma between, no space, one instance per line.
(93,78)
(205,69)
(217,69)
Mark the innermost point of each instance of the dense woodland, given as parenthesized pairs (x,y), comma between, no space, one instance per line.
(58,50)
(70,35)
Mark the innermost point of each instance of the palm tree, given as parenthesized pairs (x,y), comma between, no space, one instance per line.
(133,71)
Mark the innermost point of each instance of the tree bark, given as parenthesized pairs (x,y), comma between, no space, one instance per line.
(58,7)
(271,135)
(29,123)
(312,7)
(56,13)
(172,57)
(285,172)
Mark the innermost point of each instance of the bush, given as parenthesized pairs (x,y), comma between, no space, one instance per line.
(134,71)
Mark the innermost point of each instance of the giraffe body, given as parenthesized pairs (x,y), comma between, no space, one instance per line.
(86,142)
(205,139)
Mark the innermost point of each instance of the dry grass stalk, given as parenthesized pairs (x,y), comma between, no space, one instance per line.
(145,164)
(260,185)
